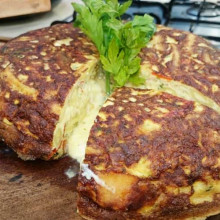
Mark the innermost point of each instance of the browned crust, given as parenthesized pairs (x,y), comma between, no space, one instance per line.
(185,135)
(90,210)
(121,141)
(44,71)
(13,137)
(194,62)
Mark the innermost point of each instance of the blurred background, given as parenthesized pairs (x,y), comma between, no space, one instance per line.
(20,16)
(201,17)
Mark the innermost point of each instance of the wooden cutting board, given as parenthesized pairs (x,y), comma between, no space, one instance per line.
(38,190)
(10,8)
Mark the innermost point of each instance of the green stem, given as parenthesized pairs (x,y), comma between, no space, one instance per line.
(107,83)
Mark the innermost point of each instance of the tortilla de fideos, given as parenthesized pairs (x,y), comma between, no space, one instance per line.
(152,152)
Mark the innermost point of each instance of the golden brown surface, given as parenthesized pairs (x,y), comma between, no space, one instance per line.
(155,156)
(37,71)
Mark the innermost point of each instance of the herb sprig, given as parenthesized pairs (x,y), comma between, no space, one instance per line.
(118,42)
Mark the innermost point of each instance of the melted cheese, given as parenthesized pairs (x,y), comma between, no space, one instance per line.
(149,126)
(70,173)
(140,169)
(89,174)
(79,136)
(204,191)
(59,43)
(78,114)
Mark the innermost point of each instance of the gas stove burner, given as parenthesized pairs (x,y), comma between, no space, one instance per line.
(204,9)
(126,17)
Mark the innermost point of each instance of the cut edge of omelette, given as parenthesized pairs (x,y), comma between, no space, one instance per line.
(79,112)
(191,50)
(176,88)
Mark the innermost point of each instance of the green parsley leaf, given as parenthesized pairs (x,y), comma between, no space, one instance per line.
(136,80)
(118,42)
(124,7)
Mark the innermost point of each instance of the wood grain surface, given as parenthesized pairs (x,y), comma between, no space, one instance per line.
(10,8)
(36,189)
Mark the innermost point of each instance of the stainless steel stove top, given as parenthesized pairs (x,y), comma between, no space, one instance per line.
(201,17)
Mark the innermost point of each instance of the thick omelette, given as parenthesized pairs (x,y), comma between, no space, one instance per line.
(154,152)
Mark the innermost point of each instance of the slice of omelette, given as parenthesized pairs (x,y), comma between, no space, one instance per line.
(151,155)
(49,82)
(154,153)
